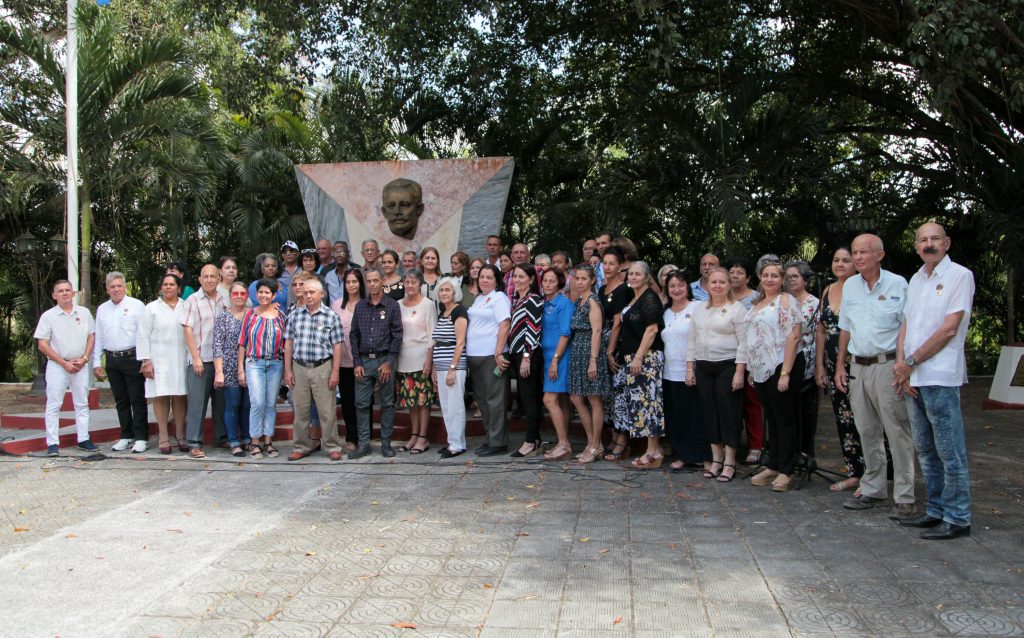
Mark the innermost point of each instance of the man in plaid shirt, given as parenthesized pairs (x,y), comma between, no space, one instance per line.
(312,356)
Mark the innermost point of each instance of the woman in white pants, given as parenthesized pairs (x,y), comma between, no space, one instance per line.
(450,363)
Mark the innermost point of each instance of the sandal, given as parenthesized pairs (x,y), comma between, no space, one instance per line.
(237,451)
(165,447)
(618,451)
(588,455)
(197,453)
(559,453)
(648,462)
(255,451)
(710,473)
(722,478)
(270,450)
(182,445)
(848,484)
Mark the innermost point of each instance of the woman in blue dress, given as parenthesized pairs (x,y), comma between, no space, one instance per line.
(554,341)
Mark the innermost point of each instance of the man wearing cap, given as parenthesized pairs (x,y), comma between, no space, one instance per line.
(66,334)
(930,368)
(869,325)
(289,264)
(117,324)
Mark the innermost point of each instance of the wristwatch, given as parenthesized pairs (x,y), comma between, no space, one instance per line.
(910,361)
(451,367)
(784,373)
(526,355)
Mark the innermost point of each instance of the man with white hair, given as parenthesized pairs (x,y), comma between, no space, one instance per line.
(117,324)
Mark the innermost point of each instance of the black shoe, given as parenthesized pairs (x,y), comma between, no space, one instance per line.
(482,450)
(493,451)
(921,521)
(946,531)
(862,502)
(385,449)
(447,454)
(359,452)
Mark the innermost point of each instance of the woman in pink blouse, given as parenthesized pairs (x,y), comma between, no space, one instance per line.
(716,362)
(776,366)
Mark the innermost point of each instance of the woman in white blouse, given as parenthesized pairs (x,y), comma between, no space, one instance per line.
(415,380)
(716,362)
(161,349)
(490,317)
(682,406)
(776,366)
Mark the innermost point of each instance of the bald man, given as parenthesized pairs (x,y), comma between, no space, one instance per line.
(201,309)
(699,288)
(930,368)
(869,321)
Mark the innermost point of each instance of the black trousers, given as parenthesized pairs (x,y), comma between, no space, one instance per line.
(683,425)
(347,389)
(782,410)
(531,392)
(129,389)
(809,397)
(721,408)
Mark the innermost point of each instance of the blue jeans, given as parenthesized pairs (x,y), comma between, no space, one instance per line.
(263,377)
(236,415)
(937,426)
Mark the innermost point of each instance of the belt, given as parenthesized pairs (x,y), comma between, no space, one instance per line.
(878,358)
(130,352)
(374,355)
(312,364)
(444,343)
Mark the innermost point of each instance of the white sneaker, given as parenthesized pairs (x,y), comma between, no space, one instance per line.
(140,446)
(121,445)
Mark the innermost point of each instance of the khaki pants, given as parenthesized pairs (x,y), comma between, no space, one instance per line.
(311,385)
(879,414)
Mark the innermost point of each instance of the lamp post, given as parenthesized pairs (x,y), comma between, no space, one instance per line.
(38,253)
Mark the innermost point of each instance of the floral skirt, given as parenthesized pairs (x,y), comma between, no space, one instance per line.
(639,404)
(414,389)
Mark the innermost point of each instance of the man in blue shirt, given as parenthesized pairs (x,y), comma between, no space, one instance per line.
(707,263)
(869,322)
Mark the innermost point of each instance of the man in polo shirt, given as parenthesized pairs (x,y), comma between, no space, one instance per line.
(869,322)
(324,257)
(200,311)
(312,356)
(930,368)
(117,324)
(66,334)
(698,288)
(376,338)
(289,264)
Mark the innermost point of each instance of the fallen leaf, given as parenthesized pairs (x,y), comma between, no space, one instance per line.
(603,550)
(683,495)
(272,616)
(488,586)
(672,546)
(71,536)
(511,498)
(310,553)
(374,502)
(404,625)
(175,530)
(22,512)
(259,594)
(585,539)
(523,534)
(18,530)
(530,597)
(618,620)
(187,513)
(367,550)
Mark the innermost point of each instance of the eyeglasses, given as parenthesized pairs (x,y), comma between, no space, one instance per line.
(239,293)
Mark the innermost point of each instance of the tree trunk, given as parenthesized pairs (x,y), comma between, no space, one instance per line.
(85,260)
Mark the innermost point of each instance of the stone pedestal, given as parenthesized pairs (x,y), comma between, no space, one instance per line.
(463,202)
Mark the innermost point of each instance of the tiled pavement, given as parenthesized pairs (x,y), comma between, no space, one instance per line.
(146,546)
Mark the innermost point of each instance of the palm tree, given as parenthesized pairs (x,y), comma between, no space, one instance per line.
(137,98)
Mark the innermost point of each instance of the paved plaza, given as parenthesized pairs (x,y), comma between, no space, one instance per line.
(156,546)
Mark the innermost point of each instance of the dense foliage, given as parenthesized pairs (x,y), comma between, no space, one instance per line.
(736,127)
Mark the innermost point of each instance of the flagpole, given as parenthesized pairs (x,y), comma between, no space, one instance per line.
(71,87)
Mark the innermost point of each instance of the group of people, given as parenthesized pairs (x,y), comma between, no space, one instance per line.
(650,355)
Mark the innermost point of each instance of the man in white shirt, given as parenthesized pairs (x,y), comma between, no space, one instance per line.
(930,368)
(66,334)
(869,323)
(201,309)
(117,324)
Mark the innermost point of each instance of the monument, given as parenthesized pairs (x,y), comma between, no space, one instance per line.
(450,204)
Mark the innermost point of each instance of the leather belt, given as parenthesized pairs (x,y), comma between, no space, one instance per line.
(130,352)
(374,355)
(312,364)
(878,358)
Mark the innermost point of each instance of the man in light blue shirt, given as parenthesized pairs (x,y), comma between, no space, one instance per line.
(869,320)
(707,263)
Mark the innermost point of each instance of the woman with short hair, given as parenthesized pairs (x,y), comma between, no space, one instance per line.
(486,346)
(414,381)
(160,347)
(460,266)
(449,349)
(555,335)
(261,365)
(267,268)
(227,327)
(716,362)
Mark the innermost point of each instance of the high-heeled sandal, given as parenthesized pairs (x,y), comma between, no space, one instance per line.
(165,447)
(710,473)
(648,462)
(722,478)
(559,453)
(587,456)
(182,445)
(618,451)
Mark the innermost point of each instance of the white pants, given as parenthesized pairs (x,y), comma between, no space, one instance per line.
(453,408)
(57,382)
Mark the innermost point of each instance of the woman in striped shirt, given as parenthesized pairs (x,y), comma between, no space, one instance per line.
(524,348)
(449,341)
(261,366)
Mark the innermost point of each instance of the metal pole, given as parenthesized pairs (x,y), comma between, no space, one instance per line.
(71,87)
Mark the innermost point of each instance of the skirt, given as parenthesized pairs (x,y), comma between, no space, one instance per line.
(639,404)
(413,389)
